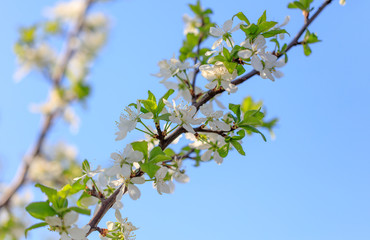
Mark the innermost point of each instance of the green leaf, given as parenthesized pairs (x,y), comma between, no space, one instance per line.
(141,146)
(253,129)
(143,110)
(161,103)
(217,58)
(238,147)
(150,168)
(249,104)
(150,105)
(250,30)
(81,89)
(226,54)
(262,18)
(274,32)
(157,155)
(52,27)
(241,17)
(224,150)
(284,47)
(310,37)
(51,193)
(169,152)
(28,35)
(235,108)
(235,50)
(240,70)
(34,226)
(68,189)
(196,8)
(164,117)
(151,96)
(296,4)
(307,50)
(64,192)
(160,158)
(306,3)
(155,152)
(231,66)
(86,166)
(84,211)
(264,26)
(40,210)
(241,135)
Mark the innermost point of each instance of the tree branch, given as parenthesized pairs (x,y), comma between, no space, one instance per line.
(57,77)
(106,204)
(109,202)
(196,71)
(211,93)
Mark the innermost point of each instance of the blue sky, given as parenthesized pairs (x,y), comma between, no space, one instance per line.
(311,182)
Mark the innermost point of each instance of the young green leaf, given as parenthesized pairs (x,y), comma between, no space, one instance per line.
(34,226)
(141,146)
(40,210)
(238,147)
(51,193)
(86,166)
(161,103)
(274,32)
(224,150)
(307,50)
(241,17)
(84,211)
(150,168)
(235,108)
(262,18)
(151,96)
(253,129)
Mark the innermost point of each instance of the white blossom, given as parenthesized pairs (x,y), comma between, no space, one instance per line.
(169,68)
(128,156)
(134,191)
(76,233)
(269,70)
(69,10)
(197,143)
(191,24)
(217,142)
(213,118)
(224,32)
(218,75)
(60,224)
(178,174)
(183,88)
(128,122)
(183,116)
(122,228)
(40,56)
(89,173)
(252,50)
(160,184)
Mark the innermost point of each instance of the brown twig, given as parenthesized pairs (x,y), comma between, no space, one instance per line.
(196,71)
(57,77)
(106,204)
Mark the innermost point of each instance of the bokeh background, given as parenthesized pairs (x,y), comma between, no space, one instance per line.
(311,182)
